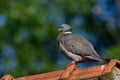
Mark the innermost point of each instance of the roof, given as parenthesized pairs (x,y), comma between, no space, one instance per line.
(71,73)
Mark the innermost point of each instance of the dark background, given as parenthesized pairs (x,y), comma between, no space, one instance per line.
(28,31)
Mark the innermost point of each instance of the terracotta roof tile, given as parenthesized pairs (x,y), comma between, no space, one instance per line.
(69,69)
(71,73)
(45,76)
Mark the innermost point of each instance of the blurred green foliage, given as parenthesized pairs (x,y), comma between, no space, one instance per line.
(32,33)
(31,30)
(114,52)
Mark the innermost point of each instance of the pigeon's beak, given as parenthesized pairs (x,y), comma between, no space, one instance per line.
(60,29)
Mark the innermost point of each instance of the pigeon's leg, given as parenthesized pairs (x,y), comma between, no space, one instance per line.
(73,62)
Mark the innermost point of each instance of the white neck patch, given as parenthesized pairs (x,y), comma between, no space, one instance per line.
(67,32)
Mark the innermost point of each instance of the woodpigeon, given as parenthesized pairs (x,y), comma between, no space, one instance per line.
(75,47)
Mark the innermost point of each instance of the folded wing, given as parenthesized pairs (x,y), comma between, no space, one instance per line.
(78,45)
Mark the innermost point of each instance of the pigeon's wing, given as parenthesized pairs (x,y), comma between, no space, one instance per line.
(78,45)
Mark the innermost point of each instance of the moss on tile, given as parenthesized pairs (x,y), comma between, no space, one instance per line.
(108,76)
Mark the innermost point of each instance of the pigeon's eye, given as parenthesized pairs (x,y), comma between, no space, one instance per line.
(61,27)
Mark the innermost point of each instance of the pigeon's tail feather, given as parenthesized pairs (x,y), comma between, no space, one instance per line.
(101,59)
(98,58)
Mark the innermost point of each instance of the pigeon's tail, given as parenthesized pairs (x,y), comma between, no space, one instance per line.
(98,58)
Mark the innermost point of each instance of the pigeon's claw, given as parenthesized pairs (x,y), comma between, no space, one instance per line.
(73,62)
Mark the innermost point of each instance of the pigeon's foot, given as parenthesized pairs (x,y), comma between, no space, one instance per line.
(75,63)
(72,63)
(70,67)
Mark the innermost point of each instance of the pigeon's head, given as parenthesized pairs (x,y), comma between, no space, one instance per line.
(64,28)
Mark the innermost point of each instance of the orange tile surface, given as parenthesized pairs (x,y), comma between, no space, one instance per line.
(66,73)
(70,73)
(45,76)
